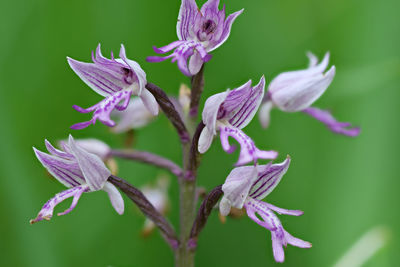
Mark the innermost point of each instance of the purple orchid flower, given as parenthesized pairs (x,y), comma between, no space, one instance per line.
(245,187)
(116,79)
(297,90)
(78,170)
(229,112)
(200,31)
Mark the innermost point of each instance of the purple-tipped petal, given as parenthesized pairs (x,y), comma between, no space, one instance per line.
(335,126)
(104,108)
(93,168)
(64,170)
(47,210)
(115,197)
(269,219)
(269,177)
(248,151)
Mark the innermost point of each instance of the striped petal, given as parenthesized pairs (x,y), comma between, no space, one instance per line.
(269,177)
(66,171)
(241,106)
(186,19)
(108,76)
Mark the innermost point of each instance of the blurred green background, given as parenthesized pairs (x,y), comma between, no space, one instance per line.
(345,186)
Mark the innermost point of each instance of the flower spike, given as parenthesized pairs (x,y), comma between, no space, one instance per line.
(229,112)
(199,31)
(116,79)
(245,187)
(78,170)
(297,90)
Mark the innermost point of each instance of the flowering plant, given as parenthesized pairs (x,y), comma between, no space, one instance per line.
(131,102)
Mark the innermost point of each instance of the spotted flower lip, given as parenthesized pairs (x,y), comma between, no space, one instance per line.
(78,170)
(297,90)
(229,112)
(116,79)
(135,116)
(246,186)
(199,31)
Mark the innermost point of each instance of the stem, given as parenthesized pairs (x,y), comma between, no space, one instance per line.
(147,208)
(149,158)
(170,111)
(197,90)
(184,256)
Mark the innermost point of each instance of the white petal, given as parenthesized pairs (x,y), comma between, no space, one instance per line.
(205,140)
(264,114)
(149,101)
(115,197)
(211,108)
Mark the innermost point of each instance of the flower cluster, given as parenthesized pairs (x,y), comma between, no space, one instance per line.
(133,102)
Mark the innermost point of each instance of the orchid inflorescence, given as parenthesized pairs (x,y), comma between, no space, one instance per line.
(83,165)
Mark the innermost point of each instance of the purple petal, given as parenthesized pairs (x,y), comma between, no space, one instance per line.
(242,116)
(93,168)
(226,30)
(195,63)
(326,118)
(167,48)
(186,18)
(294,241)
(115,197)
(269,220)
(284,211)
(65,171)
(269,177)
(248,152)
(102,80)
(47,210)
(103,109)
(57,152)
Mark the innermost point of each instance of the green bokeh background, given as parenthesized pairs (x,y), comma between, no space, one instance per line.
(345,186)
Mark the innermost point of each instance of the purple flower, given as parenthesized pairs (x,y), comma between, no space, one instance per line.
(78,170)
(245,187)
(297,90)
(229,112)
(135,116)
(116,80)
(200,31)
